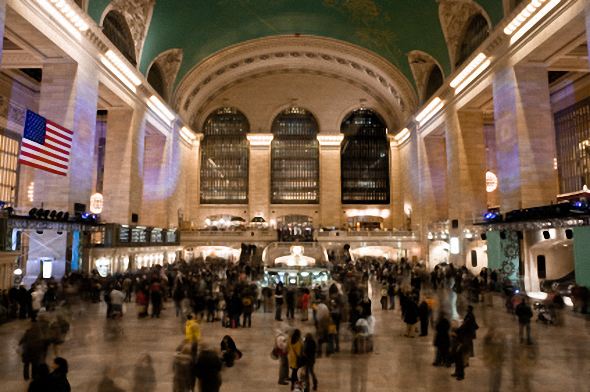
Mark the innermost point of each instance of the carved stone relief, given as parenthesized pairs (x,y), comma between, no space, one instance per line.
(454,16)
(169,63)
(421,64)
(13,115)
(138,14)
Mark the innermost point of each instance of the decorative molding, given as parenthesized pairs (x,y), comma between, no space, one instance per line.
(12,115)
(303,52)
(138,14)
(169,63)
(421,64)
(454,16)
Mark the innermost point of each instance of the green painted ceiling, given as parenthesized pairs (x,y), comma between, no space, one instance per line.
(391,28)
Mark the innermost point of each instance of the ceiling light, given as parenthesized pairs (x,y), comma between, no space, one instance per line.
(531,14)
(402,136)
(187,135)
(123,68)
(161,109)
(470,72)
(430,110)
(111,67)
(66,16)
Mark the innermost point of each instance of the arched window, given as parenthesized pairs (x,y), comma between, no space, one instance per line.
(295,158)
(435,80)
(224,158)
(364,159)
(156,80)
(477,31)
(116,29)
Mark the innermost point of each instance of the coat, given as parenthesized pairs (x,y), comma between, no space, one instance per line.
(208,370)
(294,352)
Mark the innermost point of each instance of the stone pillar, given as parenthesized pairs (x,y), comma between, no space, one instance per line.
(259,175)
(193,177)
(525,137)
(398,219)
(433,179)
(173,180)
(123,171)
(68,97)
(156,190)
(330,177)
(2,22)
(466,167)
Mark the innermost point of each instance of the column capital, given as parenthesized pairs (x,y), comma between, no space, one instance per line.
(330,140)
(260,140)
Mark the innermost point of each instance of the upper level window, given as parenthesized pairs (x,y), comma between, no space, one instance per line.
(435,80)
(364,159)
(116,29)
(224,158)
(156,80)
(295,158)
(477,31)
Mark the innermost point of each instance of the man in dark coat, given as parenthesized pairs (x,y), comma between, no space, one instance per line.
(469,331)
(442,341)
(410,316)
(424,315)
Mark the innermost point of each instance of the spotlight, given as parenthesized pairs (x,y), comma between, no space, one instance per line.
(492,216)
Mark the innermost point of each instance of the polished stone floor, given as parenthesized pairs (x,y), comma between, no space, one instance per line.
(397,364)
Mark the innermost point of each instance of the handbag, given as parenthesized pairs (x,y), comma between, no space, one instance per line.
(274,355)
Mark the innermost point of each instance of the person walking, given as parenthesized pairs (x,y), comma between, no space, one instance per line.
(469,333)
(183,369)
(208,371)
(524,313)
(192,333)
(309,353)
(40,381)
(280,351)
(442,341)
(410,316)
(144,376)
(424,312)
(294,355)
(494,346)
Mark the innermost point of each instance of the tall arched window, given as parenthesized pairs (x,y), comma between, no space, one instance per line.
(477,31)
(116,29)
(364,159)
(295,158)
(156,80)
(224,158)
(435,80)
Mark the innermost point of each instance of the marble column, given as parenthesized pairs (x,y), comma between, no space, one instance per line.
(433,179)
(2,23)
(259,175)
(156,190)
(174,186)
(466,165)
(330,177)
(525,137)
(123,172)
(192,171)
(398,219)
(68,97)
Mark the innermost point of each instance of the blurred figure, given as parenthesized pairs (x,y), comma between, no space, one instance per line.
(192,333)
(410,315)
(107,384)
(58,331)
(117,298)
(442,341)
(309,352)
(279,291)
(294,354)
(424,312)
(144,377)
(33,346)
(524,360)
(494,346)
(458,351)
(40,380)
(323,321)
(280,352)
(58,379)
(208,371)
(142,301)
(229,351)
(305,300)
(182,367)
(524,313)
(469,328)
(156,298)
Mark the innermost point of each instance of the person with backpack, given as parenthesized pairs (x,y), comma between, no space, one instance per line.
(247,309)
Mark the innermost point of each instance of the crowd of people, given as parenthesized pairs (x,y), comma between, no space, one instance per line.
(209,291)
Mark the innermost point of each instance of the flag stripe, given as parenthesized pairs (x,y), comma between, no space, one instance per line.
(59,127)
(47,137)
(42,167)
(47,154)
(57,151)
(41,158)
(56,147)
(58,133)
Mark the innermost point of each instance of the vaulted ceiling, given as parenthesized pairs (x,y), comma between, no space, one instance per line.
(390,28)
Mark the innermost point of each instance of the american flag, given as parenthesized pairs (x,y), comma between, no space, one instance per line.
(45,145)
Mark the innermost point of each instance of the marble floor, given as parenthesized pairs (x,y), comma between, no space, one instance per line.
(397,364)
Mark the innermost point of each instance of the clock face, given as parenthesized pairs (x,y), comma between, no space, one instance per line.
(491,182)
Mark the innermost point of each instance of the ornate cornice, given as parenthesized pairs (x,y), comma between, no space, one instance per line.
(138,14)
(421,64)
(169,63)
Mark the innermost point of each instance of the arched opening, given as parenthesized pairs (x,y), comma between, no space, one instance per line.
(477,31)
(117,30)
(224,158)
(364,159)
(435,80)
(155,78)
(295,158)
